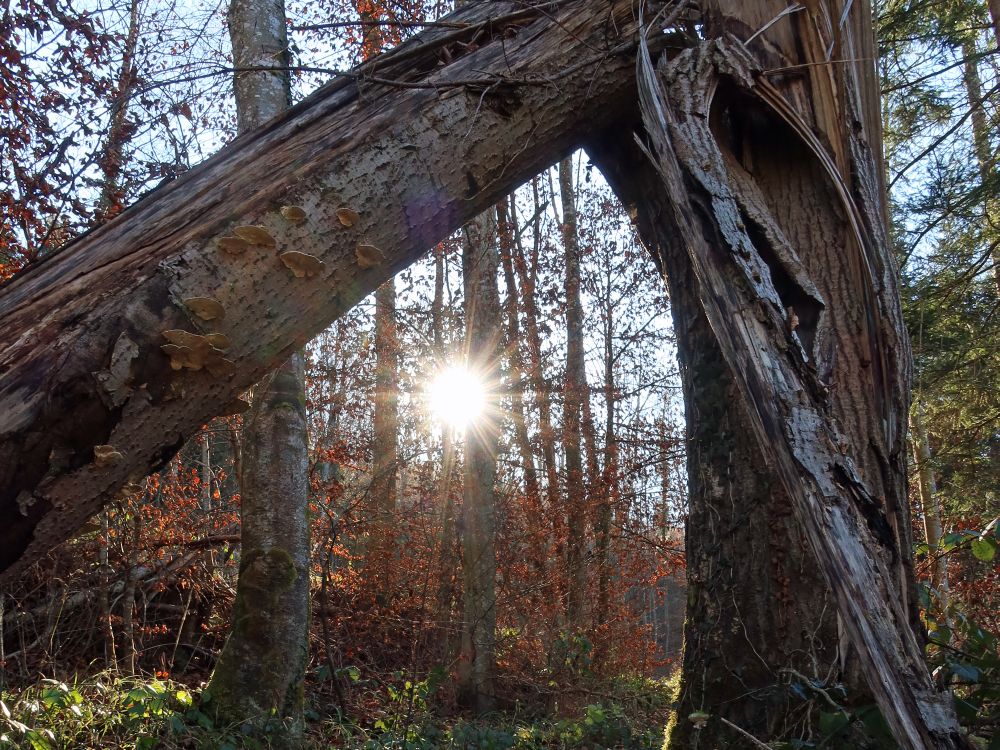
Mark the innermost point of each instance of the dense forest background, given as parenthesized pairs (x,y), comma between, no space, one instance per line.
(110,638)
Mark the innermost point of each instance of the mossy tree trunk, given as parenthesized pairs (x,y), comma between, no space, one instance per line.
(258,678)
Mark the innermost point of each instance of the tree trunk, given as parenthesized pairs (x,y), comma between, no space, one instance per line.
(82,364)
(258,677)
(385,428)
(609,487)
(543,393)
(994,8)
(120,129)
(785,244)
(574,392)
(482,337)
(758,611)
(930,502)
(385,436)
(981,140)
(518,377)
(448,560)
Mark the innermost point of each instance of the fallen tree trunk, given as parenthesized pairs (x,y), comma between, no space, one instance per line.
(363,176)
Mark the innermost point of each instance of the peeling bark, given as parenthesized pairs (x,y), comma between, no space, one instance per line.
(809,328)
(81,362)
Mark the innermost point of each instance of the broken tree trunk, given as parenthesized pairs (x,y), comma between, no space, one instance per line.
(409,146)
(783,236)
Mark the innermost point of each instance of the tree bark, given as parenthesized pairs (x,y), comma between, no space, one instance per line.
(784,238)
(981,141)
(536,370)
(518,376)
(385,428)
(574,392)
(385,435)
(82,364)
(120,129)
(609,487)
(447,559)
(930,503)
(482,342)
(758,610)
(258,677)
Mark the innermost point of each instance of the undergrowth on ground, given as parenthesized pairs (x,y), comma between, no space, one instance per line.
(132,713)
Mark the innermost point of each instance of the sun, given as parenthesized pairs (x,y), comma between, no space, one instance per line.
(456,397)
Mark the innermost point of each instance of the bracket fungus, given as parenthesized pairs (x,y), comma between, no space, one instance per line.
(368,256)
(302,265)
(348,216)
(194,352)
(218,340)
(294,214)
(255,234)
(232,245)
(206,308)
(105,455)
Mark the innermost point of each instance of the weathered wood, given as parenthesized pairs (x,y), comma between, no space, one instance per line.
(781,336)
(81,358)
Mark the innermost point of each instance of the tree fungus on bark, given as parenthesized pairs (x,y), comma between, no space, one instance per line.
(759,180)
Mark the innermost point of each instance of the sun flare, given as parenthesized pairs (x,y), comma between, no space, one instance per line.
(456,397)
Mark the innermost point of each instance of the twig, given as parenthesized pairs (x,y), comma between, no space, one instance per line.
(745,733)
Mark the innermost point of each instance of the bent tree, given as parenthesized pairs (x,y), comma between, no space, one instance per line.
(757,178)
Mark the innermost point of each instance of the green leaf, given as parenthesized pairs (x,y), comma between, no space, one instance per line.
(984,548)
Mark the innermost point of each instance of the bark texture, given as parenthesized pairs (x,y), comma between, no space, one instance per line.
(574,393)
(759,613)
(479,522)
(385,437)
(81,363)
(258,677)
(783,235)
(930,502)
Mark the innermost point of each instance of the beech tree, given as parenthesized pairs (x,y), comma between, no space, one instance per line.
(757,176)
(258,677)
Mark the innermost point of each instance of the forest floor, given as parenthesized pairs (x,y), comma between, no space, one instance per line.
(110,710)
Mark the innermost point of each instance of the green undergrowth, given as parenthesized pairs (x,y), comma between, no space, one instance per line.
(131,713)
